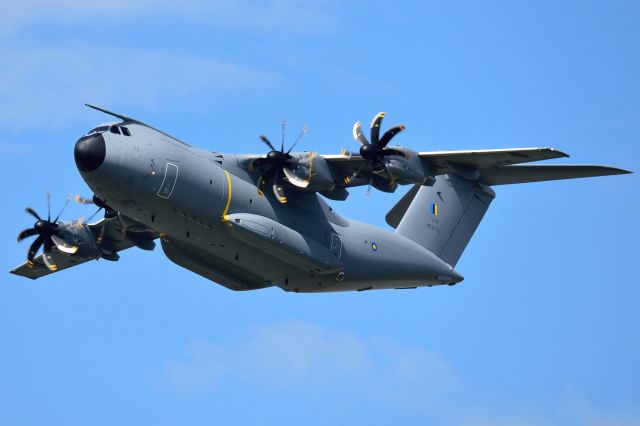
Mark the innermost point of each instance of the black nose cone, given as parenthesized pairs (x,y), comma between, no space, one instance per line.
(89,152)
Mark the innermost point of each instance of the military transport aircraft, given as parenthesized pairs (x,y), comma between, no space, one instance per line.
(255,221)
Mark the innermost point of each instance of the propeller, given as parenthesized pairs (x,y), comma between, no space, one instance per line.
(374,152)
(277,164)
(48,235)
(109,214)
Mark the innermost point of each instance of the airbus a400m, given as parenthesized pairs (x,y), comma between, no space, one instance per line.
(255,221)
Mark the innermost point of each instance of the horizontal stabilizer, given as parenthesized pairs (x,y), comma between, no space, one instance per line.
(538,173)
(396,213)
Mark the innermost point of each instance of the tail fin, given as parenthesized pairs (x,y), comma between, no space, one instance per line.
(443,217)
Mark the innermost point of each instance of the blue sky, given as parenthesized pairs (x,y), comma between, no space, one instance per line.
(544,329)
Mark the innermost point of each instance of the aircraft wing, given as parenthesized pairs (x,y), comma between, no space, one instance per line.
(538,173)
(441,162)
(480,159)
(113,241)
(39,269)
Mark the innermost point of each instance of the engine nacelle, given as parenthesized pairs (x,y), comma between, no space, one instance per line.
(311,172)
(407,168)
(77,239)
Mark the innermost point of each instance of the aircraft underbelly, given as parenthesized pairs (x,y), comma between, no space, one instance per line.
(212,267)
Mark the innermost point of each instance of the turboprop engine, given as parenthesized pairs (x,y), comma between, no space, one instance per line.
(311,172)
(405,167)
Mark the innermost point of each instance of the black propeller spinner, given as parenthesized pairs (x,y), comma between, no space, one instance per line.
(375,151)
(276,162)
(47,232)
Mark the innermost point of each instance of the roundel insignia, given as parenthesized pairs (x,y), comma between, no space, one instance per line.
(374,246)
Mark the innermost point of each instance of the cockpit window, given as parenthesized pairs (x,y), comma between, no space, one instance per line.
(114,129)
(98,129)
(125,131)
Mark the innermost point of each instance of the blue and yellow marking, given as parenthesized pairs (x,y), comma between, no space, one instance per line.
(374,246)
(434,209)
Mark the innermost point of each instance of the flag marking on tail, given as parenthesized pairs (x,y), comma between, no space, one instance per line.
(434,209)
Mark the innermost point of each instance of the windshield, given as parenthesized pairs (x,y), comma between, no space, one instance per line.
(98,129)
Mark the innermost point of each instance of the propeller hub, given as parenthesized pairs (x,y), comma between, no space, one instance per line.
(368,152)
(276,158)
(44,227)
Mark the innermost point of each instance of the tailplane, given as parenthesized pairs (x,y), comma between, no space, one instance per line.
(443,217)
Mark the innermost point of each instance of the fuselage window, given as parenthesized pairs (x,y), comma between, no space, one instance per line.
(114,129)
(125,131)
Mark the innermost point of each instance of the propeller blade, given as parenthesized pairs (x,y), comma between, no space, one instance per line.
(63,207)
(101,235)
(278,189)
(294,179)
(266,177)
(49,206)
(302,133)
(123,226)
(358,135)
(264,139)
(32,213)
(81,200)
(260,186)
(33,249)
(26,233)
(375,128)
(78,223)
(49,261)
(349,153)
(94,214)
(283,124)
(389,134)
(64,246)
(48,244)
(355,174)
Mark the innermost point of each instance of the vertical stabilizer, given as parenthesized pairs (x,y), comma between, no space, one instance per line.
(443,217)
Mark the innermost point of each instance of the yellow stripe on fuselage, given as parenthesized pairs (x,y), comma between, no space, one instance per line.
(229,192)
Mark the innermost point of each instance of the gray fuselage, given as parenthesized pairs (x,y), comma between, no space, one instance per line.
(213,221)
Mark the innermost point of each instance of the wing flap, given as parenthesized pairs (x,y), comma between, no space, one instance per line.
(539,173)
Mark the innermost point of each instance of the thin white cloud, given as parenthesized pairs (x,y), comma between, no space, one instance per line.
(295,355)
(45,86)
(308,359)
(45,82)
(280,16)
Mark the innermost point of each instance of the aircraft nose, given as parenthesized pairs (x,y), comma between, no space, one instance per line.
(90,152)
